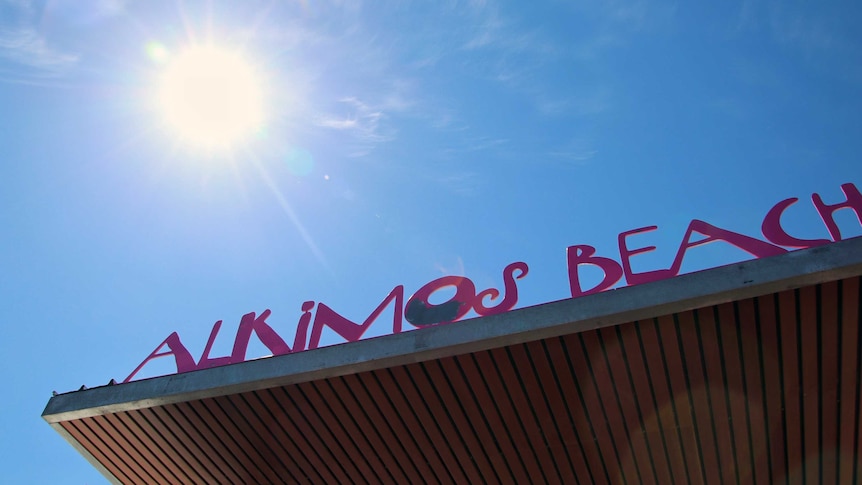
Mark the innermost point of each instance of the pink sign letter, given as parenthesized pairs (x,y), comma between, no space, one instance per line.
(583,254)
(182,357)
(854,201)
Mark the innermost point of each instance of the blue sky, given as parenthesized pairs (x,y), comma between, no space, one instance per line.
(404,141)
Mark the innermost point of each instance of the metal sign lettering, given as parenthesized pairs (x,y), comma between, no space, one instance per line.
(419,312)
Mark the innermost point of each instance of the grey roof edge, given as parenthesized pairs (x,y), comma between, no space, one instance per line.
(709,287)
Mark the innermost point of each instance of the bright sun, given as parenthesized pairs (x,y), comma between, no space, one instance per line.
(211,97)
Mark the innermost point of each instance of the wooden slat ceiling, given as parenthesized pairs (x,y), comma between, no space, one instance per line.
(761,390)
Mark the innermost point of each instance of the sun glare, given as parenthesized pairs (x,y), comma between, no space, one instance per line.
(211,97)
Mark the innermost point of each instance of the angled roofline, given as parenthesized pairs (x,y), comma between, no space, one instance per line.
(686,292)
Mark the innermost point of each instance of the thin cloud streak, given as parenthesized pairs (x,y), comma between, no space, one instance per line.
(363,124)
(26,47)
(26,57)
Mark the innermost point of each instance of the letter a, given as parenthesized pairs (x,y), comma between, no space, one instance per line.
(753,246)
(183,358)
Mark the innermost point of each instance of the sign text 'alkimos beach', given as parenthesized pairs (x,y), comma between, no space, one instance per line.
(419,312)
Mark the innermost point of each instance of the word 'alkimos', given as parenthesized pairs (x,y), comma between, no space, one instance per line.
(420,313)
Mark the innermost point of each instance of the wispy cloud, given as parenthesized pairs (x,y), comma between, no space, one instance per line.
(819,37)
(489,30)
(811,33)
(790,23)
(465,184)
(578,151)
(26,56)
(639,15)
(95,9)
(577,157)
(362,122)
(26,47)
(338,124)
(521,58)
(456,268)
(471,145)
(35,36)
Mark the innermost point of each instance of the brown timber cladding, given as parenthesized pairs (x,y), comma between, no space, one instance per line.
(760,390)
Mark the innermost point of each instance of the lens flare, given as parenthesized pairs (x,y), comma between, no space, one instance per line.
(299,161)
(157,52)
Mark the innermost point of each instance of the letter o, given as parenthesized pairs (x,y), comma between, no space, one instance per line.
(421,313)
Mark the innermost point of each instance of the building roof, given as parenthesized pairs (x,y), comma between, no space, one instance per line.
(748,372)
